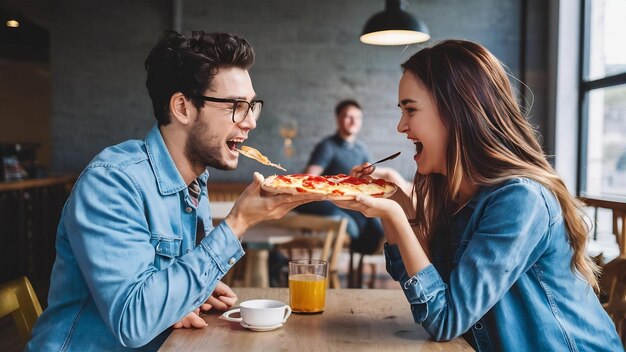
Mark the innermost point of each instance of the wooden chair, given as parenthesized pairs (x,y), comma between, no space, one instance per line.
(18,298)
(355,275)
(613,279)
(618,208)
(316,232)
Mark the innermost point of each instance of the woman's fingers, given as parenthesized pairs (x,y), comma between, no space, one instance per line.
(362,170)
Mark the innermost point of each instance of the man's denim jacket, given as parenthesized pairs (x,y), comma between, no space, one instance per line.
(504,280)
(127,264)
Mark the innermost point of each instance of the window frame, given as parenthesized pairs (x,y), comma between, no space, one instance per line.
(586,86)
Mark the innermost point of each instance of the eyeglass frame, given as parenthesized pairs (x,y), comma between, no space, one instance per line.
(251,104)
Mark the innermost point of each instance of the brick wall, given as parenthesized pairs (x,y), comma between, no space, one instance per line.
(308,58)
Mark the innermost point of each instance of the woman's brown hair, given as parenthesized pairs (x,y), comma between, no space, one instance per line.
(476,103)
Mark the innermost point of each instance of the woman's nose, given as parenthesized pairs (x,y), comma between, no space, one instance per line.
(402,126)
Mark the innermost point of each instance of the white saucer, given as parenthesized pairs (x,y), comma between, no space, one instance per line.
(261,328)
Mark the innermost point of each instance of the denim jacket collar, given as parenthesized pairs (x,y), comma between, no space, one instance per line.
(168,177)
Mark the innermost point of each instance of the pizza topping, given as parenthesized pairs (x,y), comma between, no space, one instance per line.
(355,180)
(379,182)
(334,186)
(256,155)
(283,178)
(316,182)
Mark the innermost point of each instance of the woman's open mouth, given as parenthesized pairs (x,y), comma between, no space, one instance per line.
(418,149)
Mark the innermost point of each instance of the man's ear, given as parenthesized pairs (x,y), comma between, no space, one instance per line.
(181,108)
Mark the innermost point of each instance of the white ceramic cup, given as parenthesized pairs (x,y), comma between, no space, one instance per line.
(260,312)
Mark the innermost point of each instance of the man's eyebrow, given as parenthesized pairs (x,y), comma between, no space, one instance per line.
(242,97)
(407,101)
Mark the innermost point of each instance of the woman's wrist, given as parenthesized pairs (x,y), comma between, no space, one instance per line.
(393,211)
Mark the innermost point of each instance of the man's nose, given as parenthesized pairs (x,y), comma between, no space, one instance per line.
(249,122)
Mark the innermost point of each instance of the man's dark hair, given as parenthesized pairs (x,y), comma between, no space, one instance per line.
(344,104)
(188,65)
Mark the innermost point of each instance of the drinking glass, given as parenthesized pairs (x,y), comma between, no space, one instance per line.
(307,285)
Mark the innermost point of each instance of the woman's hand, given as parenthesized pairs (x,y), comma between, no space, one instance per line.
(363,171)
(255,205)
(370,206)
(401,196)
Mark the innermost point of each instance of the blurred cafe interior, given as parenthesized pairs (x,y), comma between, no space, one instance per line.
(72,82)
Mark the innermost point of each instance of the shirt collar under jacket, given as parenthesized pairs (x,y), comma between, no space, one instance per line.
(168,177)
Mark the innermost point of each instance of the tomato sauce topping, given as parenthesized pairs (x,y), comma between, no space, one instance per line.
(380,182)
(283,178)
(354,181)
(319,181)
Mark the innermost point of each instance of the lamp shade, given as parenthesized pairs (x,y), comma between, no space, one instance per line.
(394,26)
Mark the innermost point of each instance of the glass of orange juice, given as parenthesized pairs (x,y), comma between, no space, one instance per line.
(307,285)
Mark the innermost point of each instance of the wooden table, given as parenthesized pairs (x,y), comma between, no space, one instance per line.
(354,320)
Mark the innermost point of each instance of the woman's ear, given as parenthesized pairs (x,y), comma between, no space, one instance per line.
(181,108)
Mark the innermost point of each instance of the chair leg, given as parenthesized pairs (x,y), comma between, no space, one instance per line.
(351,278)
(372,281)
(359,274)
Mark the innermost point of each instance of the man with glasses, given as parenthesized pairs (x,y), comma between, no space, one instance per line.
(136,249)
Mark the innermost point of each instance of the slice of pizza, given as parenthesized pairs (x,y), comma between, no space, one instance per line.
(256,155)
(334,186)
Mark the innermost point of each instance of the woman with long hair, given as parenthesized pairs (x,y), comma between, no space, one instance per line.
(490,244)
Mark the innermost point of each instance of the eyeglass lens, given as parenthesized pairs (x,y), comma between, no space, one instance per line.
(243,108)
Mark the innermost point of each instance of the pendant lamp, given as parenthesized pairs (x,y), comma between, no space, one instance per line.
(394,26)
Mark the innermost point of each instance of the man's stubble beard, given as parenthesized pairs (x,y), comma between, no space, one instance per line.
(203,152)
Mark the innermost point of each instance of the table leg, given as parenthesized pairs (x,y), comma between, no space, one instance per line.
(257,271)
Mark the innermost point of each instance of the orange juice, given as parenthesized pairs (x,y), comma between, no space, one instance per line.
(307,293)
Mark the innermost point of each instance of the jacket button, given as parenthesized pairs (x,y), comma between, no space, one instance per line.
(478,326)
(231,261)
(188,210)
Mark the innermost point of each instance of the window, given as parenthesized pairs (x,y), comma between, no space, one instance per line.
(602,170)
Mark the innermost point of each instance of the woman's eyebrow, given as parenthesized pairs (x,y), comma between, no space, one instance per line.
(407,101)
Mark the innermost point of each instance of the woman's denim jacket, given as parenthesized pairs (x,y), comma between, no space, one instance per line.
(504,279)
(127,264)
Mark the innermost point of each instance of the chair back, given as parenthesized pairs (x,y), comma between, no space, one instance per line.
(317,232)
(618,208)
(18,298)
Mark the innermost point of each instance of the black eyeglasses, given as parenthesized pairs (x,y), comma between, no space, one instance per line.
(241,108)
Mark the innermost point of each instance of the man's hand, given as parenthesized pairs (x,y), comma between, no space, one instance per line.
(255,205)
(222,298)
(191,320)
